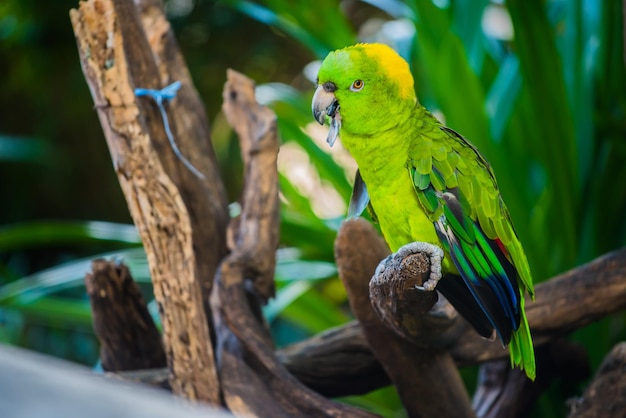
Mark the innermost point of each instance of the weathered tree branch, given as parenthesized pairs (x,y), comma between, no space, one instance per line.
(253,380)
(336,362)
(506,392)
(205,200)
(606,395)
(563,304)
(256,237)
(129,339)
(179,216)
(426,378)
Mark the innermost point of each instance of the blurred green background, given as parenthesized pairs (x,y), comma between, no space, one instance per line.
(538,86)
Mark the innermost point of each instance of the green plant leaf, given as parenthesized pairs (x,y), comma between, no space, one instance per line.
(53,309)
(554,141)
(285,296)
(68,275)
(313,311)
(301,270)
(40,233)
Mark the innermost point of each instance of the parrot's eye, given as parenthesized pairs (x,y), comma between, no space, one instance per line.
(357,85)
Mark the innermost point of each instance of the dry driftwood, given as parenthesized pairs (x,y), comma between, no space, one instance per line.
(205,199)
(180,217)
(606,395)
(253,381)
(129,339)
(563,304)
(426,378)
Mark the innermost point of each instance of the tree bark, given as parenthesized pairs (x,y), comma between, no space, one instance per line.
(179,216)
(606,395)
(336,362)
(129,339)
(506,392)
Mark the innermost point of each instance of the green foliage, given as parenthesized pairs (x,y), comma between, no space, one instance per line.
(546,108)
(318,27)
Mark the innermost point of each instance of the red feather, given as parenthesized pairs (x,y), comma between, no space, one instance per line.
(503,249)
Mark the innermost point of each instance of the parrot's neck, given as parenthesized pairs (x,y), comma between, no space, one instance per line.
(383,155)
(378,157)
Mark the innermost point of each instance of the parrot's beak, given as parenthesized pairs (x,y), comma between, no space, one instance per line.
(325,104)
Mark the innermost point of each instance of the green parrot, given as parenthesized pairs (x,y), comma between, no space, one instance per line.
(430,189)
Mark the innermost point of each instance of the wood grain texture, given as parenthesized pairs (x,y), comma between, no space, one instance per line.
(205,200)
(164,199)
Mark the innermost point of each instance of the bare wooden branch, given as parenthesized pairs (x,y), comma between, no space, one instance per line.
(506,392)
(606,395)
(205,200)
(563,304)
(259,221)
(129,339)
(336,362)
(163,198)
(253,381)
(426,379)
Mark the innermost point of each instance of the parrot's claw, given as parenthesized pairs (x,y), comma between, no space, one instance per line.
(436,256)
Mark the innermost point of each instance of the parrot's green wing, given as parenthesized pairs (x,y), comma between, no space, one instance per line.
(456,188)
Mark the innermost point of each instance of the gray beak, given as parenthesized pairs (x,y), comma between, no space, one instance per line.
(325,104)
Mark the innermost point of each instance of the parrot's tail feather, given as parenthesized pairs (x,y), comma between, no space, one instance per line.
(521,348)
(455,290)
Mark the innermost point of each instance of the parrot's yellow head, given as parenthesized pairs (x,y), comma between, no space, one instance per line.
(363,89)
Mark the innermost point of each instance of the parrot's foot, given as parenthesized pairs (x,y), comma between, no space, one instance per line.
(435,255)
